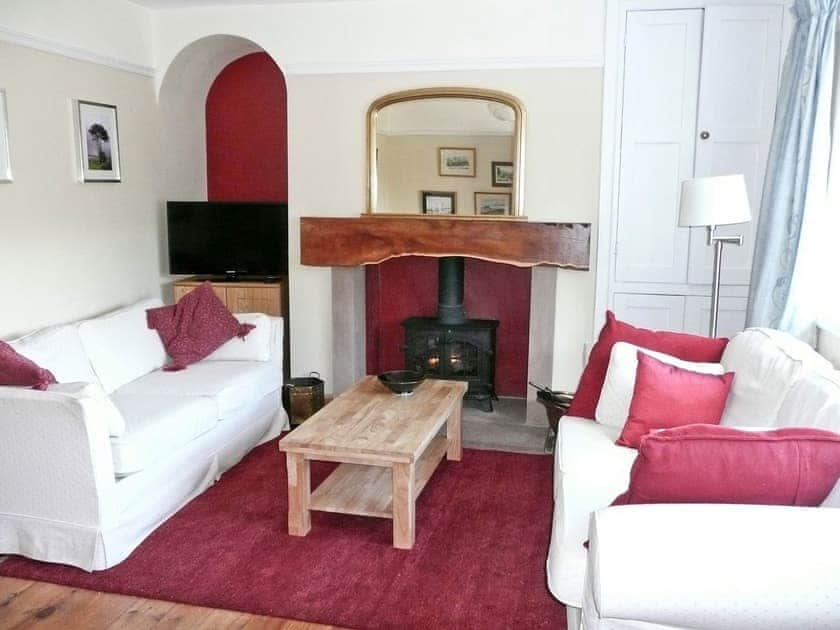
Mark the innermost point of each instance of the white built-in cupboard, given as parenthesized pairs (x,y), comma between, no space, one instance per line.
(690,91)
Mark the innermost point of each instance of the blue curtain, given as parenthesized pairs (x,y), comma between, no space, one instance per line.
(789,264)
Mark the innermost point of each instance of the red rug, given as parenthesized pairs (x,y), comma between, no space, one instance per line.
(483,528)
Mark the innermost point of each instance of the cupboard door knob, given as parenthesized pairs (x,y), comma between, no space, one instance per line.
(704,135)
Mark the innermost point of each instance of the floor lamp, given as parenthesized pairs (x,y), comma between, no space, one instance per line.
(710,202)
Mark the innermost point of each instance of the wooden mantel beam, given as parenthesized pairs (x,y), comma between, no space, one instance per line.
(349,242)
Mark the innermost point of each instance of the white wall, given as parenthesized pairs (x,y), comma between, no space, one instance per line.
(384,35)
(113,31)
(70,250)
(324,48)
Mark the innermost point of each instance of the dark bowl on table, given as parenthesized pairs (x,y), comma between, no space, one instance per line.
(402,382)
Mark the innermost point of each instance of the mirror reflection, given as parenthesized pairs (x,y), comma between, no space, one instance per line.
(445,156)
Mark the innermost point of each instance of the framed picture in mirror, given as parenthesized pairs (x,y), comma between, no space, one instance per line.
(492,204)
(438,202)
(501,174)
(456,162)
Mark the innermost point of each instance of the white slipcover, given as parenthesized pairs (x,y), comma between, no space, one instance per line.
(590,471)
(120,345)
(255,346)
(156,426)
(58,349)
(716,567)
(814,401)
(230,384)
(779,381)
(766,364)
(61,499)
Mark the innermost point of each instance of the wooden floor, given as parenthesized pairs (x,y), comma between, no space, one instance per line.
(26,604)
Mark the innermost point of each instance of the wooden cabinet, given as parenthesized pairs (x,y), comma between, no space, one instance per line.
(695,97)
(244,296)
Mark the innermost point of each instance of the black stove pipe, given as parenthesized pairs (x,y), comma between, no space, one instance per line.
(451,290)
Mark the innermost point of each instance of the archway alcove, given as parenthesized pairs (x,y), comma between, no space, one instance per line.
(217,124)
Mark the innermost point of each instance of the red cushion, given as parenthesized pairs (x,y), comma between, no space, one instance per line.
(686,347)
(16,369)
(195,327)
(667,396)
(707,463)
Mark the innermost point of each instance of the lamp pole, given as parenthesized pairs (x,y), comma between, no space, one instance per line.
(718,242)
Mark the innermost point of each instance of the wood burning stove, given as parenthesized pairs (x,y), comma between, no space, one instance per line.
(450,346)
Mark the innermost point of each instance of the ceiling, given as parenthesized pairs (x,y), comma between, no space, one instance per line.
(180,4)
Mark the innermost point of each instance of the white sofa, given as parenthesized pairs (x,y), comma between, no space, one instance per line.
(93,465)
(779,381)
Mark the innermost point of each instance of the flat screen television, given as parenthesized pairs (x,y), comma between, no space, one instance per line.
(218,238)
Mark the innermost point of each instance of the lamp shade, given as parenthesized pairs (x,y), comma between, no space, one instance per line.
(718,200)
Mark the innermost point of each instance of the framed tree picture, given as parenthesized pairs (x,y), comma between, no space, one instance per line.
(99,143)
(438,202)
(456,162)
(5,152)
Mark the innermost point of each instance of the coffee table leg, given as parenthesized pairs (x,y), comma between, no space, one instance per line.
(402,505)
(453,434)
(297,469)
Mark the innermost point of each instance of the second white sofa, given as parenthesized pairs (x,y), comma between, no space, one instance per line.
(92,466)
(779,382)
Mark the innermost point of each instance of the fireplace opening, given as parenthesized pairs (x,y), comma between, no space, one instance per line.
(452,346)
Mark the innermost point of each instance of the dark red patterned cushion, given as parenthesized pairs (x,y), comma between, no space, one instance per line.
(195,327)
(16,369)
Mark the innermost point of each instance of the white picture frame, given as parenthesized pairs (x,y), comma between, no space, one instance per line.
(5,149)
(98,142)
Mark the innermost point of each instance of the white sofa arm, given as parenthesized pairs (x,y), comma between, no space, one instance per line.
(713,567)
(55,457)
(277,342)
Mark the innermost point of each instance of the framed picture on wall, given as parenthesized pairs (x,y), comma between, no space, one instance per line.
(99,143)
(501,174)
(5,153)
(492,204)
(438,202)
(456,162)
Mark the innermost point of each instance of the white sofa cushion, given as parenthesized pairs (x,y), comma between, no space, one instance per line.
(617,393)
(766,363)
(156,426)
(255,346)
(58,349)
(833,498)
(230,384)
(813,401)
(121,347)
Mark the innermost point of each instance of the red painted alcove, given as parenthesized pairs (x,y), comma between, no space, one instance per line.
(407,286)
(246,132)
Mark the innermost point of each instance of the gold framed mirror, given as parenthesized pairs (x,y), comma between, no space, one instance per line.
(446,152)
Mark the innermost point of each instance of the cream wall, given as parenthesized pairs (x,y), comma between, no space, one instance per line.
(338,56)
(70,250)
(113,31)
(408,164)
(561,182)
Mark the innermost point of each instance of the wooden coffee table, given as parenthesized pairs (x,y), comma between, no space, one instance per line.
(388,447)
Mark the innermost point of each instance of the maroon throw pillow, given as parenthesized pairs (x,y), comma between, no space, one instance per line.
(195,327)
(707,463)
(683,346)
(16,369)
(666,396)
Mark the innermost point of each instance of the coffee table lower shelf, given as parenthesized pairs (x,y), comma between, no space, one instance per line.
(366,490)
